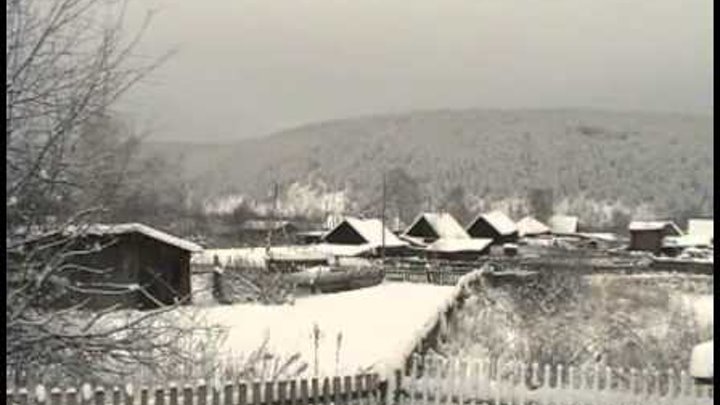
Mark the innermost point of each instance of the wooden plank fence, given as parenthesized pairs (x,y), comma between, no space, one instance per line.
(348,390)
(436,380)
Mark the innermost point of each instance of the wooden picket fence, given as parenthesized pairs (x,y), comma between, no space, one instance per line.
(349,390)
(432,379)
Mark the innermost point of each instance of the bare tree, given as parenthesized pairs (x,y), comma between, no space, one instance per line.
(67,62)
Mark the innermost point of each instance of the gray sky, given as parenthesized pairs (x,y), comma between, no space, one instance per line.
(246,68)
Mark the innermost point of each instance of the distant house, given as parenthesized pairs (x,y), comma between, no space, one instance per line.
(493,225)
(365,233)
(458,248)
(429,227)
(529,226)
(129,256)
(563,224)
(648,235)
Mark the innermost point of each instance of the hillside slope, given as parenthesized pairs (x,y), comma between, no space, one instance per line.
(663,160)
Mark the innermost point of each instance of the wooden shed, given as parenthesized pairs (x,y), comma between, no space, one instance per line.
(648,235)
(494,225)
(146,268)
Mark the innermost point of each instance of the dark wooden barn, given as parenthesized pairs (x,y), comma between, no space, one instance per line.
(144,267)
(648,236)
(493,225)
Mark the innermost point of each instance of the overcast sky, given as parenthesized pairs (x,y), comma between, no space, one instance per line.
(246,68)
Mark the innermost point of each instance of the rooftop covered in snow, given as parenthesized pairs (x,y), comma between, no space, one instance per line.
(655,226)
(529,226)
(121,229)
(356,231)
(500,222)
(563,224)
(436,225)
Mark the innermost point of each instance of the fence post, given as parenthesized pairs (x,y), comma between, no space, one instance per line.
(303,392)
(202,393)
(187,395)
(315,395)
(347,390)
(55,396)
(293,392)
(671,384)
(256,399)
(282,388)
(326,391)
(633,381)
(128,393)
(683,384)
(228,394)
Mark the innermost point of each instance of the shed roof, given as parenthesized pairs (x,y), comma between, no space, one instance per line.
(653,226)
(531,226)
(459,245)
(563,224)
(701,360)
(498,220)
(686,241)
(443,224)
(120,229)
(701,227)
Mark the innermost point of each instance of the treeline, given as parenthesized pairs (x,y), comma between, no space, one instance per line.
(634,163)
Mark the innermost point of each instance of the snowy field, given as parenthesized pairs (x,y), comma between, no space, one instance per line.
(378,326)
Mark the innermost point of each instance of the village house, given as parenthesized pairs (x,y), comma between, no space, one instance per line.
(429,227)
(648,236)
(135,265)
(366,234)
(494,225)
(529,226)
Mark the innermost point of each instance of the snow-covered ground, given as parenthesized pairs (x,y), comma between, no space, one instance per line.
(378,326)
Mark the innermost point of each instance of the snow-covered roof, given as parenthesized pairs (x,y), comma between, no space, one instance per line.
(120,229)
(372,231)
(563,224)
(498,220)
(459,245)
(531,226)
(701,227)
(443,224)
(653,226)
(701,360)
(686,241)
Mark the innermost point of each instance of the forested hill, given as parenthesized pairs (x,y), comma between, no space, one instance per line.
(665,160)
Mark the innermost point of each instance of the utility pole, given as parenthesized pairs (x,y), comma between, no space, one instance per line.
(382,252)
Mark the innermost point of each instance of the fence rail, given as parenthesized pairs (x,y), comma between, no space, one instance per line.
(348,390)
(435,380)
(429,379)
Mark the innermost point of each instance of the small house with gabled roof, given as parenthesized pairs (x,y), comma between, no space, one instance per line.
(493,225)
(430,227)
